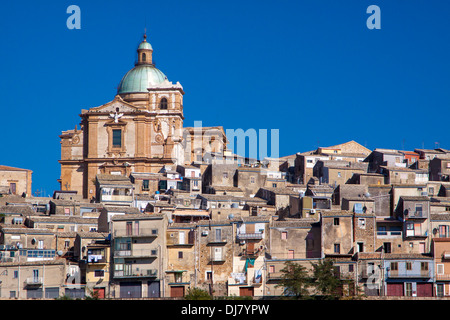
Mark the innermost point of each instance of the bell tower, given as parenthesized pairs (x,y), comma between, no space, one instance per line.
(145,52)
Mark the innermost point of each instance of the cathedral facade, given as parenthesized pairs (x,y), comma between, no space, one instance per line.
(140,130)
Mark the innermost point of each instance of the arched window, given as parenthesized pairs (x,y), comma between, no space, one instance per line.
(144,57)
(163,103)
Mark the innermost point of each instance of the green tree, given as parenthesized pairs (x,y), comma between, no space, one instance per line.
(294,280)
(325,279)
(197,294)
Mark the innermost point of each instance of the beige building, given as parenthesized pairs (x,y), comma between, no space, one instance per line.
(215,255)
(33,280)
(139,255)
(15,180)
(180,274)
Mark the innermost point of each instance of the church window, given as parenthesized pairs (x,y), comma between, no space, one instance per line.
(144,57)
(163,103)
(117,138)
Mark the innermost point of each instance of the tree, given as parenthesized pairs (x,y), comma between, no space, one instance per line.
(197,294)
(325,279)
(295,280)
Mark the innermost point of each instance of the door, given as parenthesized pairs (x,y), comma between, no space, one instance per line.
(12,188)
(99,293)
(130,289)
(395,289)
(153,289)
(52,293)
(424,289)
(181,237)
(177,291)
(246,291)
(34,293)
(217,254)
(440,289)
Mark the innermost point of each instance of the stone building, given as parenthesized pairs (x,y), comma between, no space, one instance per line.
(215,254)
(140,130)
(16,180)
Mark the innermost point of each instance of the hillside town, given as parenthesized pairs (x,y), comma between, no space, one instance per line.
(148,208)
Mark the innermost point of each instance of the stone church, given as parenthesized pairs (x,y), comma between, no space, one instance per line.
(140,130)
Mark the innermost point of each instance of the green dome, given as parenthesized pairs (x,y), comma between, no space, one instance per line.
(140,78)
(145,45)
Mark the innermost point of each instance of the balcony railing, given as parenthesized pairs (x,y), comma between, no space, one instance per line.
(135,273)
(389,233)
(250,236)
(410,274)
(142,232)
(33,281)
(137,253)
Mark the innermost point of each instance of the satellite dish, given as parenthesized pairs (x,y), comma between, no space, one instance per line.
(230,216)
(170,221)
(60,253)
(367,194)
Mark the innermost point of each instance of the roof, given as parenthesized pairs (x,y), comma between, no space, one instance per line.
(122,209)
(111,179)
(141,216)
(8,168)
(415,198)
(140,78)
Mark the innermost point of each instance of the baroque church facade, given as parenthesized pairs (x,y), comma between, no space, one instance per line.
(140,130)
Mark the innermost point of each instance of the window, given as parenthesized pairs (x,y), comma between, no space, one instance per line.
(408,265)
(117,138)
(443,231)
(180,254)
(418,210)
(274,185)
(290,254)
(387,247)
(252,179)
(424,266)
(284,235)
(394,266)
(99,273)
(16,274)
(225,175)
(144,57)
(339,175)
(336,221)
(440,269)
(360,247)
(66,244)
(218,235)
(163,103)
(145,185)
(271,269)
(337,248)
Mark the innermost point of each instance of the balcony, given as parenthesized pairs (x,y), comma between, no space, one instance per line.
(417,215)
(96,258)
(250,236)
(141,233)
(275,275)
(33,281)
(136,273)
(137,253)
(408,274)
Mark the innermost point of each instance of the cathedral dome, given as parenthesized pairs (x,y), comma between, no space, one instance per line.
(140,78)
(144,75)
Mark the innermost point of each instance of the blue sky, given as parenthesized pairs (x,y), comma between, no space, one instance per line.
(311,69)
